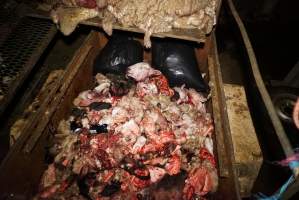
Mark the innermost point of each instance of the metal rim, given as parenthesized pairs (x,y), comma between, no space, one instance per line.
(284,106)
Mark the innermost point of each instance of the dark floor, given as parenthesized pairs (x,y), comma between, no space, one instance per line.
(276,54)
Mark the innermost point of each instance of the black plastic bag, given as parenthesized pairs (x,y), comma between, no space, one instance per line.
(119,53)
(177,61)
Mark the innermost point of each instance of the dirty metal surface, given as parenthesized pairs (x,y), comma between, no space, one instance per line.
(247,151)
(228,179)
(19,53)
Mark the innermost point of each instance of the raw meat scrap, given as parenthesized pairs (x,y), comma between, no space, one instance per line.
(126,146)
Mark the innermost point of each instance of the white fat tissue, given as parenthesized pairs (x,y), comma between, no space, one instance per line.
(119,147)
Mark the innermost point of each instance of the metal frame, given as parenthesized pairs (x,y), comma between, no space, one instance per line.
(30,62)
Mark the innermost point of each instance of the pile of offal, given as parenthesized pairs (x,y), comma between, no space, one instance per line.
(133,136)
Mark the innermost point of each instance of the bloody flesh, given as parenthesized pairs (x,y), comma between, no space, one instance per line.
(128,147)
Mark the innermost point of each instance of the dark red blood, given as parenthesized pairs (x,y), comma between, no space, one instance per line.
(84,140)
(141,172)
(106,140)
(102,141)
(63,186)
(103,157)
(168,149)
(87,3)
(138,183)
(190,99)
(112,139)
(204,154)
(162,83)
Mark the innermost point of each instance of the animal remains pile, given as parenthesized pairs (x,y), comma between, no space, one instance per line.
(133,137)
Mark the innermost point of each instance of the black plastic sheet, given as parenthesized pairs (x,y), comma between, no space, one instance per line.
(177,61)
(119,53)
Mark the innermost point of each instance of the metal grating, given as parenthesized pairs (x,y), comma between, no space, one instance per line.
(20,51)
